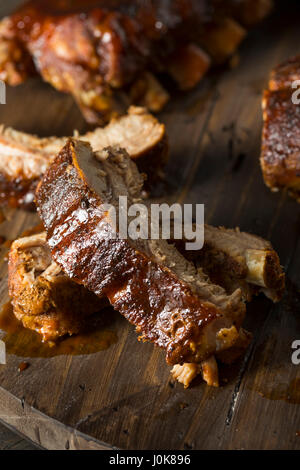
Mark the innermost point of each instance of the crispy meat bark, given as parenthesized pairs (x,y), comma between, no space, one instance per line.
(233,259)
(24,158)
(99,50)
(280,153)
(170,302)
(44,299)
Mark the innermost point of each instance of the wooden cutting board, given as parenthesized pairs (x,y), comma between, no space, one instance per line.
(122,395)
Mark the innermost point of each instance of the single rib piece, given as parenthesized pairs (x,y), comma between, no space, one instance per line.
(188,65)
(44,299)
(280,154)
(222,38)
(235,259)
(232,255)
(24,158)
(98,50)
(148,281)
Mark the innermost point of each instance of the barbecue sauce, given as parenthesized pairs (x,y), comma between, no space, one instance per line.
(23,342)
(288,392)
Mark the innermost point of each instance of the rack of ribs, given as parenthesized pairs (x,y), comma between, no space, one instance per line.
(108,54)
(41,294)
(280,154)
(171,302)
(24,158)
(45,300)
(233,259)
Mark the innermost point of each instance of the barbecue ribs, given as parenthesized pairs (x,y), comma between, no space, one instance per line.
(106,53)
(280,155)
(43,298)
(41,293)
(148,281)
(24,158)
(233,259)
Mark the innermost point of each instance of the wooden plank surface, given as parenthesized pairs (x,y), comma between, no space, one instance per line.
(9,440)
(123,396)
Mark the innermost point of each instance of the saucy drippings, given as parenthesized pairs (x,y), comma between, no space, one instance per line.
(288,392)
(23,342)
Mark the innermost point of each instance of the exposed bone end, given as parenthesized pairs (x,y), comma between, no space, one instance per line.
(264,270)
(210,372)
(185,373)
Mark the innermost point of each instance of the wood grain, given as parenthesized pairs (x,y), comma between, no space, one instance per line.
(123,396)
(9,440)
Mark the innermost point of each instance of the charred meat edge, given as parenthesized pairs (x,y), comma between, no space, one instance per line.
(102,53)
(232,259)
(44,299)
(148,281)
(42,294)
(280,160)
(224,250)
(244,259)
(25,158)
